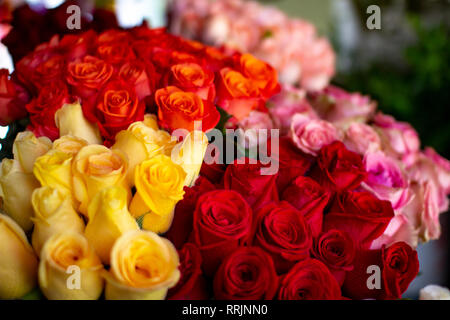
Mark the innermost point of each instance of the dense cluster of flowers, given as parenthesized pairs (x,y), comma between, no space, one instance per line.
(291,46)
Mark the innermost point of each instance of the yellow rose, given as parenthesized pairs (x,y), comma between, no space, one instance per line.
(139,142)
(96,167)
(18,263)
(159,186)
(109,218)
(27,148)
(189,155)
(16,187)
(53,213)
(69,144)
(151,121)
(69,269)
(70,120)
(143,267)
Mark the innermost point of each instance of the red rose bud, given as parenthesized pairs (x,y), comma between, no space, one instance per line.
(246,274)
(309,280)
(247,180)
(13,99)
(310,199)
(181,227)
(336,250)
(338,168)
(383,273)
(281,230)
(142,75)
(361,214)
(192,284)
(222,223)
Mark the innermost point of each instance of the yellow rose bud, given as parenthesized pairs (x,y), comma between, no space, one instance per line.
(159,186)
(189,155)
(139,142)
(69,269)
(109,218)
(54,169)
(16,187)
(143,267)
(18,263)
(70,121)
(27,148)
(151,121)
(69,144)
(53,214)
(96,167)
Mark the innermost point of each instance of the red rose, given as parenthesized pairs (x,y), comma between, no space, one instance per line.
(141,75)
(361,214)
(42,109)
(222,223)
(247,180)
(309,280)
(192,284)
(76,46)
(181,227)
(398,264)
(310,199)
(338,168)
(192,77)
(116,51)
(88,75)
(246,274)
(282,232)
(179,109)
(291,162)
(237,94)
(13,99)
(213,172)
(51,70)
(336,250)
(116,107)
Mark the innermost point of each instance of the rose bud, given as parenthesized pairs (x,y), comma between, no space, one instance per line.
(178,109)
(53,214)
(54,169)
(310,199)
(222,223)
(141,74)
(361,214)
(27,148)
(310,135)
(71,121)
(339,169)
(143,267)
(237,94)
(109,218)
(246,178)
(159,186)
(246,274)
(189,155)
(18,265)
(336,250)
(16,187)
(139,143)
(69,144)
(96,167)
(192,284)
(309,280)
(67,255)
(398,264)
(281,230)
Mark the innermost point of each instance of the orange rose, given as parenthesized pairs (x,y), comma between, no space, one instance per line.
(237,94)
(261,73)
(179,109)
(192,77)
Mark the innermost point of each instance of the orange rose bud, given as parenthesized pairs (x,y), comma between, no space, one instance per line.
(193,78)
(179,109)
(237,94)
(263,74)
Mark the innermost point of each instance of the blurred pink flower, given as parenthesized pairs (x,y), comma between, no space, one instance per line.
(254,121)
(361,138)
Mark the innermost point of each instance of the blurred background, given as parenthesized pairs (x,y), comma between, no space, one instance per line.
(405,66)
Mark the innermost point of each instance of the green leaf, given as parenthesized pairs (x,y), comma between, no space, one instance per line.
(140,220)
(34,294)
(224,117)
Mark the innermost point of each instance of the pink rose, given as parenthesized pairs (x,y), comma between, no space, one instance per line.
(310,135)
(251,124)
(442,166)
(361,138)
